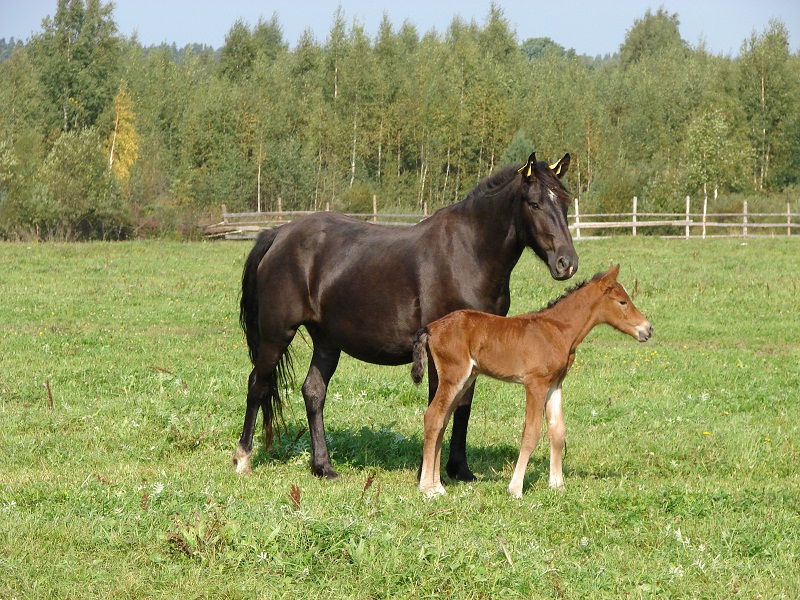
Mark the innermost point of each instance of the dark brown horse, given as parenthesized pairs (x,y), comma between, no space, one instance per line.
(365,290)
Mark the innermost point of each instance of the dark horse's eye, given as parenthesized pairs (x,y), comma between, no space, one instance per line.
(534,205)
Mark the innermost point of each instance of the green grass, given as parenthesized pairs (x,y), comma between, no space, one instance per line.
(681,472)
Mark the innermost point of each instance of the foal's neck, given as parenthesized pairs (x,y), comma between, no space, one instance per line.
(576,314)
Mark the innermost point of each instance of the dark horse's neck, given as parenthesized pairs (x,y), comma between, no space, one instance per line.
(491,210)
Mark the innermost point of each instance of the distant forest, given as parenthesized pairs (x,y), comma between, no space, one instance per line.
(101,137)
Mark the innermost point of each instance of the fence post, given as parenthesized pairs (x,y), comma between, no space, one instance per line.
(634,214)
(577,221)
(705,212)
(280,209)
(744,219)
(224,212)
(425,209)
(374,208)
(788,218)
(687,216)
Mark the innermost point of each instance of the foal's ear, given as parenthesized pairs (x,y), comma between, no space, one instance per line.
(609,278)
(529,168)
(560,168)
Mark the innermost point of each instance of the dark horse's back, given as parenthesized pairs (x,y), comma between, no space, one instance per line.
(366,288)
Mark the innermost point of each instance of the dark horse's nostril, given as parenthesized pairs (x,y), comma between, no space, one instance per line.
(562,264)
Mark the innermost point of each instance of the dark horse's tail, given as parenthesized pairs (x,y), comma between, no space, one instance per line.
(420,355)
(271,403)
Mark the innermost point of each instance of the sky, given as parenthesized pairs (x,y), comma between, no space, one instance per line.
(591,27)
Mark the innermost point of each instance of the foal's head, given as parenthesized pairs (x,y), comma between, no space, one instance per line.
(617,310)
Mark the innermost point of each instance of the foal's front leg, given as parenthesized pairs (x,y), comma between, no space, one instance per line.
(556,430)
(532,430)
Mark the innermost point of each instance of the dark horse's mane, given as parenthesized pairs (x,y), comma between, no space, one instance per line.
(494,182)
(572,289)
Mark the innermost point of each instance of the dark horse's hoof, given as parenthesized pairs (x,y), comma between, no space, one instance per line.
(326,471)
(460,472)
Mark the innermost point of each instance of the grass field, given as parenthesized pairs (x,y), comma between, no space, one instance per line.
(681,472)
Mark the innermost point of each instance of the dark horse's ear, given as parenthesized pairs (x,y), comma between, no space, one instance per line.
(560,168)
(529,168)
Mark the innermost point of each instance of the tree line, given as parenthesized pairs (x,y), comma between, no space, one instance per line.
(102,137)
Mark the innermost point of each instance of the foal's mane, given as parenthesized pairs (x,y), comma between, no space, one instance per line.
(574,288)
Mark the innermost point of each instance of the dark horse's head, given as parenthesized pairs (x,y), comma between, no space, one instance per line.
(542,216)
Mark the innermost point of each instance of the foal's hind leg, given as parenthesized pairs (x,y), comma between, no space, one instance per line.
(435,420)
(457,463)
(323,365)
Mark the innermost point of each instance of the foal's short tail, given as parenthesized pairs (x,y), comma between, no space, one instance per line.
(271,403)
(420,355)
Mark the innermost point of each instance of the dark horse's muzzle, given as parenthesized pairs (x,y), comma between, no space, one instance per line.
(564,266)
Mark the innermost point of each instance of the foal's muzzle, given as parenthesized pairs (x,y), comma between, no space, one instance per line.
(644,331)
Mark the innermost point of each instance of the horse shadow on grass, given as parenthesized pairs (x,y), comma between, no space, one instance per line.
(386,448)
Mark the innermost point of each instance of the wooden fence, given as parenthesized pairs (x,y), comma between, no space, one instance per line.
(246,225)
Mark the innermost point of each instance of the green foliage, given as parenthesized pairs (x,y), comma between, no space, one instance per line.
(651,36)
(357,198)
(413,118)
(681,469)
(768,87)
(535,48)
(80,197)
(77,53)
(518,150)
(714,157)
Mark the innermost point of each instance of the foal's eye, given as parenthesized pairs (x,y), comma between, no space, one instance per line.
(623,303)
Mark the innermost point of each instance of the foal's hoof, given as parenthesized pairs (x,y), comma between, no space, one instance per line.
(433,492)
(460,472)
(515,493)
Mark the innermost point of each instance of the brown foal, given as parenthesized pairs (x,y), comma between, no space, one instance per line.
(534,349)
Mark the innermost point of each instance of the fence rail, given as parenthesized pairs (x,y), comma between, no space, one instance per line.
(246,225)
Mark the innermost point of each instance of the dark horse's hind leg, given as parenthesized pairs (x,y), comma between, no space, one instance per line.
(241,458)
(257,388)
(457,463)
(323,364)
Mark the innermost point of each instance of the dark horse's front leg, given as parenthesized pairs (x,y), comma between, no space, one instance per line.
(457,463)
